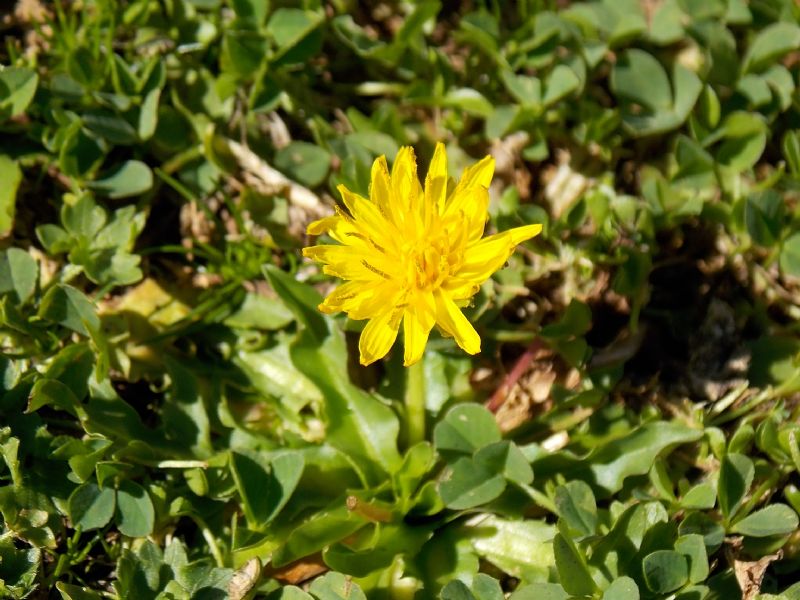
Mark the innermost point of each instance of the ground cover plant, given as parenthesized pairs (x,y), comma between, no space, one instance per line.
(179,419)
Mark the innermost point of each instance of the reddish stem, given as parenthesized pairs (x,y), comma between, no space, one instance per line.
(518,370)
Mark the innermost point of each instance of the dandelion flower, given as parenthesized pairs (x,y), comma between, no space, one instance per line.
(411,256)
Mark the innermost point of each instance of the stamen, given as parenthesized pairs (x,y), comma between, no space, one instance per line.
(374,270)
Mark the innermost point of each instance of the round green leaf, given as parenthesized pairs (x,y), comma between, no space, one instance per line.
(465,428)
(131,178)
(18,273)
(763,216)
(775,519)
(470,484)
(665,571)
(17,87)
(577,506)
(790,255)
(640,78)
(304,162)
(622,588)
(735,476)
(90,507)
(572,569)
(135,513)
(506,459)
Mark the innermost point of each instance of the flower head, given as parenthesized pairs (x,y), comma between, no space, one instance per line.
(413,256)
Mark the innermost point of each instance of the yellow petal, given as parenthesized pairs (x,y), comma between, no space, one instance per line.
(436,181)
(374,299)
(489,254)
(380,190)
(405,191)
(477,175)
(349,262)
(342,228)
(461,289)
(321,226)
(367,217)
(379,335)
(404,172)
(526,232)
(469,208)
(418,321)
(450,318)
(347,296)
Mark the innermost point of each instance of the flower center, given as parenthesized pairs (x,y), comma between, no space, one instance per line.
(428,262)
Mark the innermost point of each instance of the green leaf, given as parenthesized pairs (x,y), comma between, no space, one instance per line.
(82,216)
(17,88)
(763,216)
(300,299)
(573,573)
(712,532)
(506,459)
(693,547)
(19,568)
(110,127)
(561,82)
(359,424)
(791,151)
(520,547)
(485,587)
(540,591)
(470,484)
(18,274)
(745,137)
(51,392)
(135,512)
(336,586)
(65,305)
(290,592)
(272,373)
(469,100)
(307,163)
(131,178)
(265,486)
(735,477)
(576,320)
(770,44)
(11,176)
(609,465)
(417,461)
(260,312)
(456,590)
(243,52)
(148,115)
(254,11)
(80,154)
(702,496)
(622,588)
(380,548)
(577,507)
(638,77)
(74,592)
(140,571)
(525,90)
(289,26)
(790,255)
(90,507)
(465,428)
(775,519)
(650,104)
(665,571)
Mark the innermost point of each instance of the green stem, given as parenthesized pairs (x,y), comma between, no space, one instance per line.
(415,402)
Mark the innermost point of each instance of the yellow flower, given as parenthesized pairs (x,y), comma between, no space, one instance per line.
(413,256)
